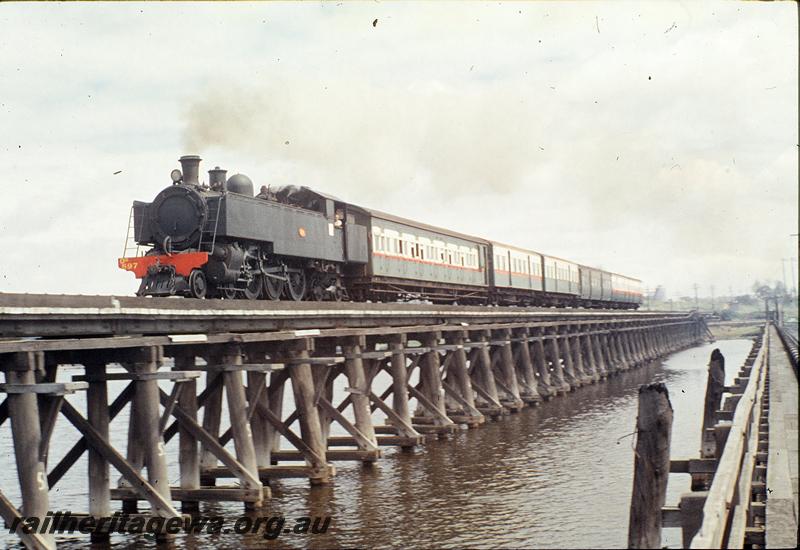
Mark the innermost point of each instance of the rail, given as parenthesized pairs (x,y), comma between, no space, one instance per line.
(790,344)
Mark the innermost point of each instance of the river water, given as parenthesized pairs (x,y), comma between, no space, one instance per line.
(555,476)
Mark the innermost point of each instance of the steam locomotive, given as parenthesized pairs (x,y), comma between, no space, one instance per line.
(218,240)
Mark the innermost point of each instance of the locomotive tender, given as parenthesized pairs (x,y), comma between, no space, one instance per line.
(218,240)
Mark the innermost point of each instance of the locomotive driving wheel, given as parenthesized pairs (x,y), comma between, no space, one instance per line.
(317,288)
(273,288)
(198,286)
(228,293)
(253,289)
(296,285)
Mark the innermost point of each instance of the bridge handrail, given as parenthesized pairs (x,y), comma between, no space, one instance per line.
(723,506)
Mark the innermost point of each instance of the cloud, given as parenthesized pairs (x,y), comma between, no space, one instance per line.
(667,155)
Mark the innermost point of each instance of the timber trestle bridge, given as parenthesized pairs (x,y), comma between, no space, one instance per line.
(448,368)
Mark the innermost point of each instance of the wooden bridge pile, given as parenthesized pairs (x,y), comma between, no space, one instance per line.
(467,373)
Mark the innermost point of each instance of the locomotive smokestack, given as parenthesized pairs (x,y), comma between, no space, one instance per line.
(216,178)
(190,164)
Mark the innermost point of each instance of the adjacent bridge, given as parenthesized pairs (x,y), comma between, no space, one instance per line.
(429,369)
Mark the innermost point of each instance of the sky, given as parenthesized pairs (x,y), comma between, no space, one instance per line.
(654,139)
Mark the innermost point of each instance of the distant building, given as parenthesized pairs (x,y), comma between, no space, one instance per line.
(659,294)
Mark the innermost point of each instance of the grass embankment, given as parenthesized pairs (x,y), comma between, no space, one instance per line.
(733,332)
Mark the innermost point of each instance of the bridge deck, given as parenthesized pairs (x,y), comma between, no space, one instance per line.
(27,315)
(443,368)
(782,499)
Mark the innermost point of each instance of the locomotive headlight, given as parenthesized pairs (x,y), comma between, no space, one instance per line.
(175,176)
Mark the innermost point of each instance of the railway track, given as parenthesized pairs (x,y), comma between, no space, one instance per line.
(44,315)
(790,343)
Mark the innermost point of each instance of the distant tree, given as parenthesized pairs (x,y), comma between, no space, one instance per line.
(745,300)
(762,290)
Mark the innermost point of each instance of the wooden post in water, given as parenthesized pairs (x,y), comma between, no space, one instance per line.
(590,366)
(134,454)
(237,412)
(607,349)
(99,474)
(399,381)
(599,361)
(146,361)
(581,368)
(360,386)
(715,386)
(310,427)
(429,374)
(641,345)
(277,380)
(257,393)
(545,387)
(27,436)
(483,370)
(212,415)
(507,369)
(651,466)
(188,452)
(557,376)
(527,375)
(572,377)
(460,371)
